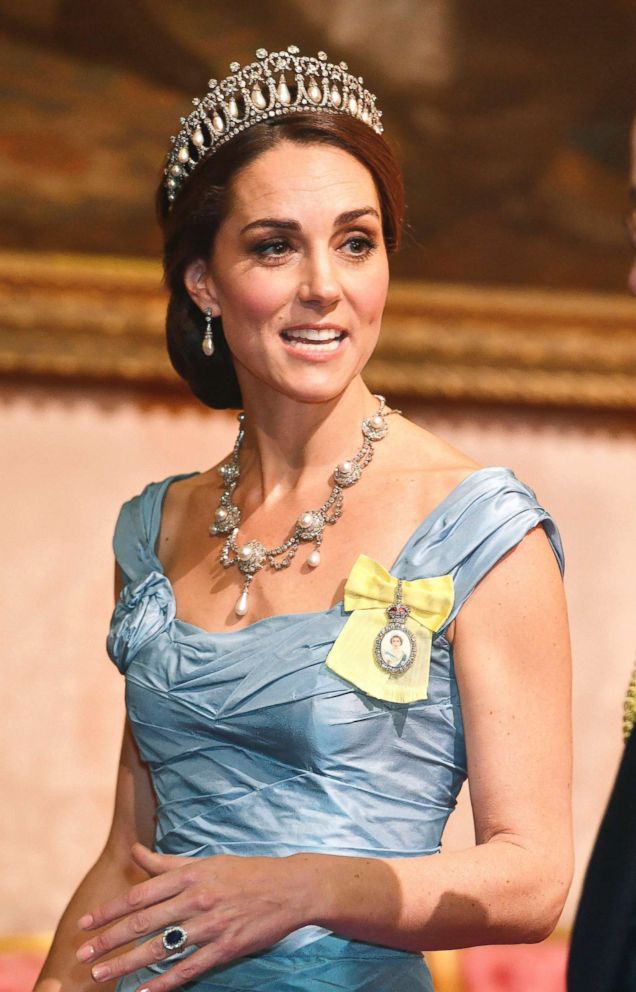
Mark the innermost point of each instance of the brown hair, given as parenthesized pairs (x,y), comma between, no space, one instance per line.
(190,225)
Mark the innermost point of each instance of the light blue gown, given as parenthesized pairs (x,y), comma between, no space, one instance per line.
(256,748)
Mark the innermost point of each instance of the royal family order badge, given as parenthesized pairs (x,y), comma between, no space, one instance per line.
(394,647)
(384,648)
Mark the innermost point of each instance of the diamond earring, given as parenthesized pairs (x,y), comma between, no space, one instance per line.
(207,345)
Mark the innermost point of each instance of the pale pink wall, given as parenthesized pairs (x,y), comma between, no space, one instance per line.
(72,456)
(583,468)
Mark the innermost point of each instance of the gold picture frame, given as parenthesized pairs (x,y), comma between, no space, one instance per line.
(100,319)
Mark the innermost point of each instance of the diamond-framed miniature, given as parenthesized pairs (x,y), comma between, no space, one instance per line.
(394,649)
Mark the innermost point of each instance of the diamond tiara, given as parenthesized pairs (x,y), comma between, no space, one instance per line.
(259,92)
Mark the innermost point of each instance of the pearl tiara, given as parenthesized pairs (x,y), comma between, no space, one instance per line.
(259,92)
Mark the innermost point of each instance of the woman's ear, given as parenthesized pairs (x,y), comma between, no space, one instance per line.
(199,284)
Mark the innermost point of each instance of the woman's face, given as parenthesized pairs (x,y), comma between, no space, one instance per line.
(299,271)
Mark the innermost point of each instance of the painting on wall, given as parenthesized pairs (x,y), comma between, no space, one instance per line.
(511,120)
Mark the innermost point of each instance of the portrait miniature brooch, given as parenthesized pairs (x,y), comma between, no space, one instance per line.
(385,646)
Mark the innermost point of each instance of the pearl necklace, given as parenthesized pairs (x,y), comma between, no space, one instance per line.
(310,525)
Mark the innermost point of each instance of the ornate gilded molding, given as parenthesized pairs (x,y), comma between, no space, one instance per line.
(509,346)
(82,317)
(101,319)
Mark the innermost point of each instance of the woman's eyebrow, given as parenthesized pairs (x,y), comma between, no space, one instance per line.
(292,225)
(350,215)
(284,225)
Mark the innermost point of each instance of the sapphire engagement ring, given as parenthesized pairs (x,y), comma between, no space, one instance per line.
(173,938)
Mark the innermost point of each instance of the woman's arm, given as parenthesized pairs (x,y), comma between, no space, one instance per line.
(113,873)
(512,660)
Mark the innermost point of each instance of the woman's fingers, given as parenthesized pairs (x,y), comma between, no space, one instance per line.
(145,894)
(228,907)
(132,927)
(191,967)
(149,952)
(157,864)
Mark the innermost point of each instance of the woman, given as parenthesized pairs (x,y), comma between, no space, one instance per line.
(294,781)
(396,654)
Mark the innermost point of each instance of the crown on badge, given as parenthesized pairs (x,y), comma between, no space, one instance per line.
(278,83)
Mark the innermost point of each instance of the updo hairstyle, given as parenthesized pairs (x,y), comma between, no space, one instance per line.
(191,222)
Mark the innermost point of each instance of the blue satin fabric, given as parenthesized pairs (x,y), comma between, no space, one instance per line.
(256,748)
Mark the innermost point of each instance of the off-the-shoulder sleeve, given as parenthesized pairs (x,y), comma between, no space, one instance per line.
(146,603)
(137,528)
(491,513)
(131,537)
(145,609)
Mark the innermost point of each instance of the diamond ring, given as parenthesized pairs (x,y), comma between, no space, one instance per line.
(173,938)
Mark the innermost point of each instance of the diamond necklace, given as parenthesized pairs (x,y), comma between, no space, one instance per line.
(250,558)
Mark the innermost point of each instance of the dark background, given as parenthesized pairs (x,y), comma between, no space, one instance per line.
(511,119)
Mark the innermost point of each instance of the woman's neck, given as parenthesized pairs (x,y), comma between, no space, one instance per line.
(290,445)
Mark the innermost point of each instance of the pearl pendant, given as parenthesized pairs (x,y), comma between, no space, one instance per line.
(336,98)
(282,92)
(314,92)
(183,154)
(218,123)
(232,108)
(241,604)
(207,344)
(353,105)
(197,138)
(258,99)
(313,560)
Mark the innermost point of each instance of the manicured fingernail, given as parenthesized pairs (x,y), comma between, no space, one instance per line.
(86,921)
(100,972)
(86,952)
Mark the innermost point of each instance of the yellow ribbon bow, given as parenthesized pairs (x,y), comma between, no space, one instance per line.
(369,591)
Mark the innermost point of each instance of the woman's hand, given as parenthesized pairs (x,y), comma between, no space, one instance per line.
(229,906)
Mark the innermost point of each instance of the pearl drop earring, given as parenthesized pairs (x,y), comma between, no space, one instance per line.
(207,345)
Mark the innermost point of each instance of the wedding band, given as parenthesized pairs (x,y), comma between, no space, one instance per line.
(173,938)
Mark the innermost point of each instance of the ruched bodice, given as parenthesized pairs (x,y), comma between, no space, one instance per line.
(255,747)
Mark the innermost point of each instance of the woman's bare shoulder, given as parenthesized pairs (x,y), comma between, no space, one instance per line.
(186,499)
(436,465)
(430,450)
(182,491)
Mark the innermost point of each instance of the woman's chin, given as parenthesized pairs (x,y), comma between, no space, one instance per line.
(314,391)
(303,382)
